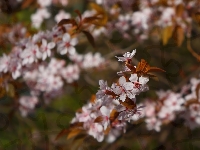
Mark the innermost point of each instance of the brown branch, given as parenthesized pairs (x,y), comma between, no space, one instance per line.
(197,56)
(118,50)
(181,84)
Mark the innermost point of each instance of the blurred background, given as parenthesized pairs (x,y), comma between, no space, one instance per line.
(39,129)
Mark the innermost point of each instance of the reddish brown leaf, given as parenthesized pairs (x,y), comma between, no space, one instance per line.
(197,91)
(27,3)
(151,75)
(79,110)
(67,21)
(77,124)
(98,119)
(2,88)
(80,136)
(74,132)
(191,101)
(131,67)
(179,10)
(156,69)
(2,91)
(89,19)
(62,133)
(107,130)
(142,67)
(179,35)
(113,115)
(197,17)
(128,103)
(93,98)
(79,14)
(89,37)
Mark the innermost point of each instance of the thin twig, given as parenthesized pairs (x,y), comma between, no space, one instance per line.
(181,84)
(118,50)
(192,51)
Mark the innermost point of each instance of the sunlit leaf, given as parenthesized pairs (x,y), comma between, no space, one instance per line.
(167,34)
(143,69)
(142,66)
(179,35)
(11,90)
(101,14)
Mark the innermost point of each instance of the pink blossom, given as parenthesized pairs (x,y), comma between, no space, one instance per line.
(62,15)
(127,56)
(70,73)
(45,49)
(91,61)
(27,104)
(106,114)
(96,130)
(4,63)
(67,45)
(44,3)
(39,16)
(30,54)
(153,124)
(124,89)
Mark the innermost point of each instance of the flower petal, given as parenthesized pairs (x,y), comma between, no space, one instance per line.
(133,78)
(105,111)
(73,41)
(128,85)
(51,45)
(122,80)
(143,80)
(66,37)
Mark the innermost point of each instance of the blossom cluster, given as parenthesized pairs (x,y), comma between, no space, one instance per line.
(49,60)
(171,106)
(40,46)
(144,19)
(147,18)
(107,113)
(36,60)
(43,13)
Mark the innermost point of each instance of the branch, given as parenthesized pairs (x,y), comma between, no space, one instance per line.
(181,84)
(197,56)
(118,50)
